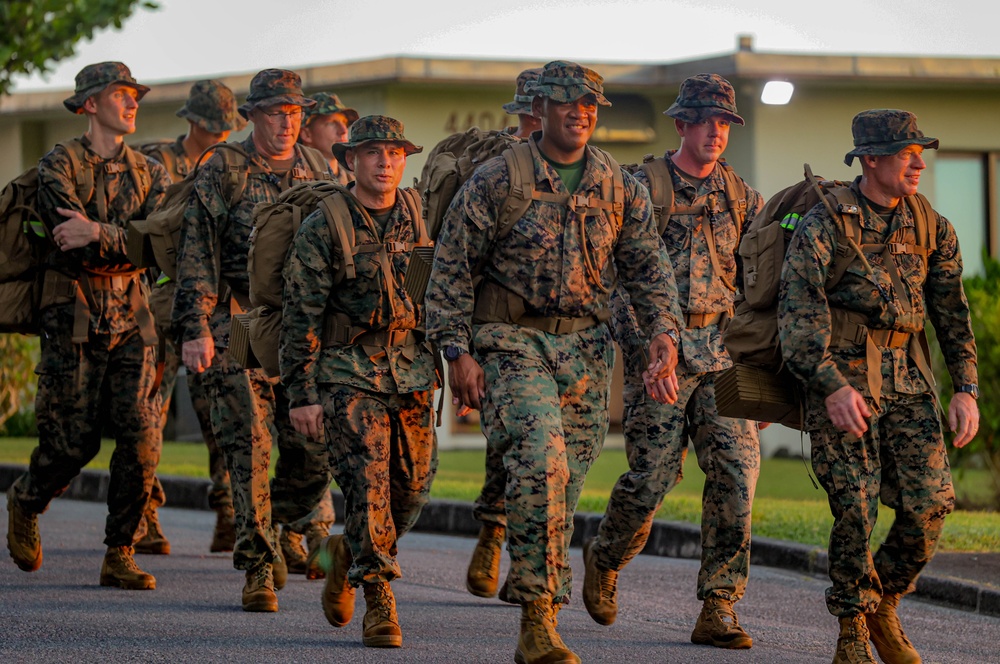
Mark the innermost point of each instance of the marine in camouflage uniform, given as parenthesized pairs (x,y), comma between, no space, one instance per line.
(97,358)
(482,576)
(327,123)
(656,434)
(543,382)
(245,402)
(210,110)
(360,374)
(877,435)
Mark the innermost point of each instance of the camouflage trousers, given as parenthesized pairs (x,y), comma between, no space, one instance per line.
(244,411)
(383,450)
(656,441)
(80,387)
(546,415)
(901,460)
(489,507)
(220,494)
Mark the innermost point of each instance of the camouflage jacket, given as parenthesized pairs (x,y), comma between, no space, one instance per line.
(804,305)
(700,290)
(122,201)
(214,233)
(177,163)
(312,295)
(341,175)
(542,259)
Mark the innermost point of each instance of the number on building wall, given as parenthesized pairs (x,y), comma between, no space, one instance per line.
(459,121)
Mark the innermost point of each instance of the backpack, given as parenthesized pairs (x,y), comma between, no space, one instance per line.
(162,151)
(758,386)
(661,192)
(26,242)
(255,335)
(450,164)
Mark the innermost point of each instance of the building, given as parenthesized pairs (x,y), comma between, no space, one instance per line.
(956,100)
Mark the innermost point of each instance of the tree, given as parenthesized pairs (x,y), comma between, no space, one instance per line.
(18,356)
(38,33)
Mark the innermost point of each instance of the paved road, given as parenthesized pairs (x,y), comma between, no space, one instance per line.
(61,614)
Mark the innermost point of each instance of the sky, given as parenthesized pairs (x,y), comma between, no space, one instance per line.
(188,39)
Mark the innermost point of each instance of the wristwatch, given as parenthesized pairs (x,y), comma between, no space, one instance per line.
(970,389)
(676,338)
(452,353)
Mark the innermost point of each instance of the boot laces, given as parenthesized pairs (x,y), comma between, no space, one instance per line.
(125,559)
(609,585)
(382,602)
(891,619)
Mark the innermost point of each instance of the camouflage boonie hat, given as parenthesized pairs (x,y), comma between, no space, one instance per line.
(94,78)
(328,104)
(272,87)
(567,81)
(884,131)
(522,100)
(212,106)
(374,128)
(703,95)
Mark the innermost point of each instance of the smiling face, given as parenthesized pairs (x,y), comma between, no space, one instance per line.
(566,127)
(889,178)
(114,108)
(276,129)
(378,169)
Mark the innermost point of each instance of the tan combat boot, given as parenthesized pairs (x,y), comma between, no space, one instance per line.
(258,593)
(314,540)
(224,535)
(120,571)
(381,622)
(23,540)
(887,633)
(152,541)
(292,551)
(338,594)
(539,643)
(484,569)
(852,644)
(600,588)
(718,626)
(279,571)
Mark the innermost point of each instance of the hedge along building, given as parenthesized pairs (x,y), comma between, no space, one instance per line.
(955,99)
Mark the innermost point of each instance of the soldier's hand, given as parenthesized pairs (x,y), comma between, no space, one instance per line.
(307,420)
(76,232)
(467,381)
(197,354)
(663,390)
(662,356)
(963,418)
(848,411)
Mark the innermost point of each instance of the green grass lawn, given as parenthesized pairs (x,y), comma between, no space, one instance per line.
(786,507)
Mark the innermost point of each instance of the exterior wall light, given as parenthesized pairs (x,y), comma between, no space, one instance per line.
(777,93)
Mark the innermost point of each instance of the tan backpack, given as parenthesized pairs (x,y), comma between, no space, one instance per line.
(758,387)
(255,334)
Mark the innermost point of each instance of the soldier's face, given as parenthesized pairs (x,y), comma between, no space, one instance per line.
(897,175)
(114,108)
(566,127)
(323,131)
(704,141)
(378,167)
(276,128)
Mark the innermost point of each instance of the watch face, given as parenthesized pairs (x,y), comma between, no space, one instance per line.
(452,353)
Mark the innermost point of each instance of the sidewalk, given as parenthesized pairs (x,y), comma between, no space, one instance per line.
(967,581)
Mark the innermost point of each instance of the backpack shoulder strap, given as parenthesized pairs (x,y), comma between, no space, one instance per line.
(411,199)
(661,189)
(83,171)
(613,188)
(521,174)
(319,167)
(236,167)
(341,225)
(138,166)
(924,221)
(736,197)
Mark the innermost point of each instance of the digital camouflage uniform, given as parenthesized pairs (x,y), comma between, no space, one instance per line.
(547,395)
(656,435)
(107,377)
(328,104)
(244,403)
(901,459)
(376,398)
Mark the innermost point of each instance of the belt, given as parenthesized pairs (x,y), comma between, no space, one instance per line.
(696,321)
(558,324)
(890,338)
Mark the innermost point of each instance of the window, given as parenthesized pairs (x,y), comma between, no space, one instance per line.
(966,195)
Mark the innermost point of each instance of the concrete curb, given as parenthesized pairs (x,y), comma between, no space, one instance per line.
(668,538)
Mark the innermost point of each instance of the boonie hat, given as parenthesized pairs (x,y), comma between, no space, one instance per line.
(94,78)
(564,82)
(272,87)
(212,106)
(328,104)
(374,128)
(522,100)
(703,95)
(884,131)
